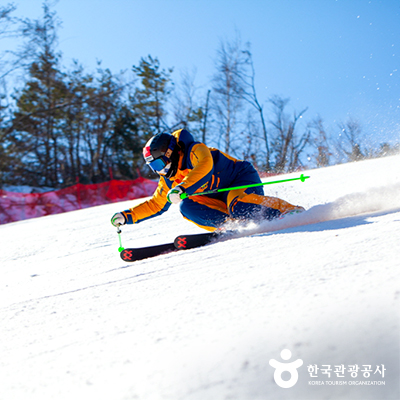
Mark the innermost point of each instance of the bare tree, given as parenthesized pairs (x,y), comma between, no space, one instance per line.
(388,149)
(187,112)
(251,141)
(320,142)
(249,94)
(228,89)
(349,143)
(287,144)
(205,118)
(5,21)
(7,30)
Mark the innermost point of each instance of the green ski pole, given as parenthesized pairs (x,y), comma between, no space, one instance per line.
(120,248)
(212,191)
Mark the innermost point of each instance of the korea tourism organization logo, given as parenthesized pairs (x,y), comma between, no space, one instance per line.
(290,367)
(326,374)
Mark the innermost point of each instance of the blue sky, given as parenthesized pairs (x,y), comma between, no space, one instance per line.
(340,58)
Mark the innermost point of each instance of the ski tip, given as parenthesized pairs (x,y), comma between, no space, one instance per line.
(121,249)
(127,255)
(140,253)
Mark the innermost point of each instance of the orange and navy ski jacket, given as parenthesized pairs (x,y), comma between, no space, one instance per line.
(200,168)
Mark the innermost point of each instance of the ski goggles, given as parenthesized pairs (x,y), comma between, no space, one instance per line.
(160,165)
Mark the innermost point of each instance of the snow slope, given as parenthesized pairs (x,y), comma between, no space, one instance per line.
(79,323)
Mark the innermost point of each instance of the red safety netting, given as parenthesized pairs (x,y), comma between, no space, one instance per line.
(19,206)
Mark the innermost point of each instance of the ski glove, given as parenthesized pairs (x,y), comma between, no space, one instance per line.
(174,195)
(118,219)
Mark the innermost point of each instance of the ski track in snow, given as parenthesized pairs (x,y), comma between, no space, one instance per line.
(78,323)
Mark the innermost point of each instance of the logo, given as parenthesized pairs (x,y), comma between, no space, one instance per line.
(350,374)
(168,153)
(181,242)
(290,367)
(127,255)
(327,374)
(147,154)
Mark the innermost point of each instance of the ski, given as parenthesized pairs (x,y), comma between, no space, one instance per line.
(140,253)
(181,242)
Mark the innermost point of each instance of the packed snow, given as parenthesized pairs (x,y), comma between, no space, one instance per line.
(79,323)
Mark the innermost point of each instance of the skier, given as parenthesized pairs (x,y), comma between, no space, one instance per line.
(187,166)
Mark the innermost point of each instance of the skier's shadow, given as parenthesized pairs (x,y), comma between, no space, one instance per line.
(334,224)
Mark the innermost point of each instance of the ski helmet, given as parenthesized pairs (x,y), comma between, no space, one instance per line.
(161,154)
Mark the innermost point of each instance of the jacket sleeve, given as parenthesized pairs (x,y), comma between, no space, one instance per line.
(157,205)
(203,167)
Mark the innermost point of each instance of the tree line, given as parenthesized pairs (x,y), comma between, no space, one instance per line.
(62,125)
